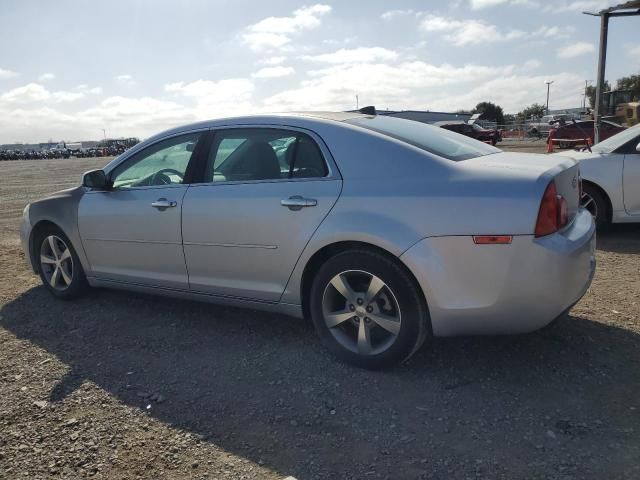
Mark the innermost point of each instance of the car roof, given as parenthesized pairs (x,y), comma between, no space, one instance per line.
(295,119)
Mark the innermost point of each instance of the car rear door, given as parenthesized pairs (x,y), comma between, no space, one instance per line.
(263,194)
(131,232)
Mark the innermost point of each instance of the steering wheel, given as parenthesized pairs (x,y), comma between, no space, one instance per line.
(161,177)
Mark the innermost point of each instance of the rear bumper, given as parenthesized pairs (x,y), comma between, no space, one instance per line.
(495,289)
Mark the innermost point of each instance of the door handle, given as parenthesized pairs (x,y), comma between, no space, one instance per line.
(297,202)
(162,204)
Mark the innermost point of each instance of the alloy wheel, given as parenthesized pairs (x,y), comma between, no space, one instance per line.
(56,262)
(361,312)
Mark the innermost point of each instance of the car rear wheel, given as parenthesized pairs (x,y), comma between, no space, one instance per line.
(593,200)
(59,266)
(367,309)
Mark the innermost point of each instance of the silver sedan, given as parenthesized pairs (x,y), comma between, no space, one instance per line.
(611,177)
(384,232)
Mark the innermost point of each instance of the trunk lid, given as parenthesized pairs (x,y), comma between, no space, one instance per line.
(539,168)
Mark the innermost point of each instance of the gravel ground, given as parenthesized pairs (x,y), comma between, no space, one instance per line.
(120,385)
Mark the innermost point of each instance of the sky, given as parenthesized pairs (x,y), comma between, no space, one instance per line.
(71,68)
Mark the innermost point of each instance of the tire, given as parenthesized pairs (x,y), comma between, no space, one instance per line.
(593,200)
(398,304)
(70,281)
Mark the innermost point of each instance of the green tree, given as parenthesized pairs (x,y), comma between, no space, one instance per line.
(533,110)
(591,93)
(632,83)
(490,111)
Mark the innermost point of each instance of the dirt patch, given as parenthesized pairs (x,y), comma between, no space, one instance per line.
(121,385)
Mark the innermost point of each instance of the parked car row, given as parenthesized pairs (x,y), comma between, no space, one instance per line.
(32,154)
(110,151)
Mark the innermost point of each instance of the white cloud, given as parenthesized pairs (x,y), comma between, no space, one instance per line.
(36,93)
(354,55)
(86,89)
(579,6)
(531,64)
(45,77)
(465,32)
(479,4)
(273,72)
(125,80)
(4,74)
(273,61)
(391,14)
(275,32)
(32,92)
(575,50)
(216,98)
(63,96)
(555,32)
(406,84)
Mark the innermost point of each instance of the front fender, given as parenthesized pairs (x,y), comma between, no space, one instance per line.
(60,209)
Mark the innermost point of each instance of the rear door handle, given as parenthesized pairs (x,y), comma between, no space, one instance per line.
(163,204)
(297,202)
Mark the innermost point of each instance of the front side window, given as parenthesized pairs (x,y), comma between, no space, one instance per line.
(163,163)
(249,154)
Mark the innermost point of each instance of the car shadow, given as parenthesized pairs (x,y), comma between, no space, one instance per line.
(260,385)
(620,238)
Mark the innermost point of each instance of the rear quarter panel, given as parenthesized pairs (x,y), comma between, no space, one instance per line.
(395,195)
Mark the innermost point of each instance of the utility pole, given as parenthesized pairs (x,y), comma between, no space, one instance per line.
(357,103)
(548,82)
(104,132)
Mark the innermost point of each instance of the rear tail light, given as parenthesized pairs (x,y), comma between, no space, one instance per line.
(553,214)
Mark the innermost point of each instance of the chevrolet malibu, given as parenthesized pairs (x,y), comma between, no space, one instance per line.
(383,231)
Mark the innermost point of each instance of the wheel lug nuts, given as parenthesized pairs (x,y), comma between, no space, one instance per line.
(369,309)
(356,319)
(367,319)
(360,302)
(352,307)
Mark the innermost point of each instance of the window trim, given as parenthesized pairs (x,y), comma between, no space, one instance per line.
(332,170)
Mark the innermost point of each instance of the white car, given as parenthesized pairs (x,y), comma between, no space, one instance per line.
(611,177)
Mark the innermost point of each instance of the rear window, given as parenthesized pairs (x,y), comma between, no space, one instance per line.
(438,141)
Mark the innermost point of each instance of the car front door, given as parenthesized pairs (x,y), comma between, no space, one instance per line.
(631,177)
(263,194)
(131,232)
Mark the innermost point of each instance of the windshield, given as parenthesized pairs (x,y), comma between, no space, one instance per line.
(438,141)
(618,140)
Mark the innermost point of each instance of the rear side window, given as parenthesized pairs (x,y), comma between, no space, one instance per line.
(438,141)
(251,154)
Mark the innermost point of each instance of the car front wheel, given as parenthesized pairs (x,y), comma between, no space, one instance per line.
(59,266)
(368,310)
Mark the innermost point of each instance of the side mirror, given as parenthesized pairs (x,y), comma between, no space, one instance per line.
(95,179)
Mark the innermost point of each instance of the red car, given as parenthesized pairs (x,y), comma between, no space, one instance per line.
(472,130)
(582,130)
